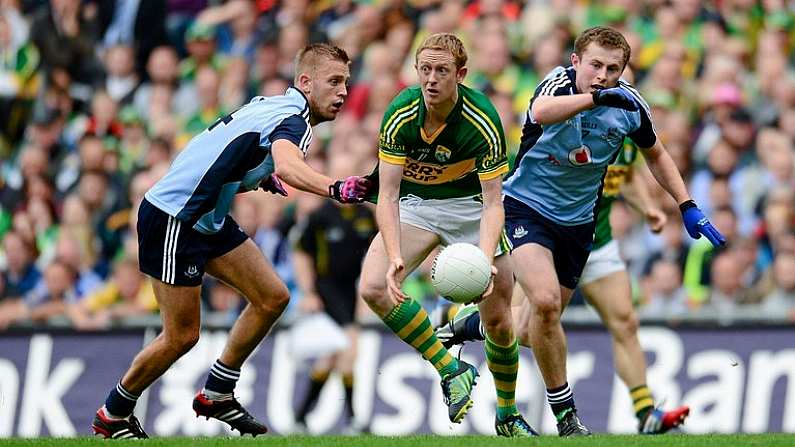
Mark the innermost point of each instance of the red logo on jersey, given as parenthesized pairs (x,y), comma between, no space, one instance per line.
(580,156)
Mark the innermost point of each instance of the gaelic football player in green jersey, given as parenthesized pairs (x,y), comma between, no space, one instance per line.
(442,157)
(605,284)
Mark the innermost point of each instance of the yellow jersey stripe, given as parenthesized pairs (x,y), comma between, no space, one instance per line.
(391,159)
(396,128)
(485,117)
(482,131)
(398,115)
(493,174)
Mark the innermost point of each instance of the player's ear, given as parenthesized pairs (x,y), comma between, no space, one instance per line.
(304,83)
(575,60)
(461,74)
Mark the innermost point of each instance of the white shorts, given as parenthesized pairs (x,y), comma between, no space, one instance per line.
(602,262)
(454,220)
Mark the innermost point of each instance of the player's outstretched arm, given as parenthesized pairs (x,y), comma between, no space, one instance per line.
(387,214)
(293,170)
(665,171)
(555,109)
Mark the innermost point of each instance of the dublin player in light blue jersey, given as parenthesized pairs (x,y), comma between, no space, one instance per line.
(576,125)
(184,230)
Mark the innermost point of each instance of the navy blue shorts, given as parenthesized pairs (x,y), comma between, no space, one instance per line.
(173,252)
(570,245)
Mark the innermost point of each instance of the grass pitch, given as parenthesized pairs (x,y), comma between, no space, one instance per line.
(673,440)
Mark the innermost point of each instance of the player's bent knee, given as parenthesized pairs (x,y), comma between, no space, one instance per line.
(372,293)
(547,304)
(625,326)
(275,303)
(183,342)
(281,298)
(497,327)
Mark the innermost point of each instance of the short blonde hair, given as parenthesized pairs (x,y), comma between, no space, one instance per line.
(310,56)
(445,42)
(605,37)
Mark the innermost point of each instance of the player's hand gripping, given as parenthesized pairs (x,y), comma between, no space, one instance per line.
(615,97)
(697,224)
(273,185)
(489,288)
(352,189)
(393,274)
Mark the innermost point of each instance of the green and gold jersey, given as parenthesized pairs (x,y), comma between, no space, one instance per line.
(469,147)
(616,175)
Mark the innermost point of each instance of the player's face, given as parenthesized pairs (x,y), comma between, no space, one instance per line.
(328,90)
(598,67)
(438,76)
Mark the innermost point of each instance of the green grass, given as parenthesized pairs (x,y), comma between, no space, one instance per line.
(766,440)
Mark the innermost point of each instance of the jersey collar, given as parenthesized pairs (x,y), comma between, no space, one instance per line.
(572,74)
(292,89)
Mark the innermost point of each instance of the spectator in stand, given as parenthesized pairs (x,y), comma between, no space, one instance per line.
(201,43)
(66,43)
(18,277)
(127,294)
(122,79)
(727,293)
(137,24)
(236,21)
(56,293)
(781,301)
(19,80)
(666,298)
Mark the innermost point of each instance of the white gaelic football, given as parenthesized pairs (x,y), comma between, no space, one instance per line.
(461,272)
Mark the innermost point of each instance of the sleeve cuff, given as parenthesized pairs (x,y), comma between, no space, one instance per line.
(392,159)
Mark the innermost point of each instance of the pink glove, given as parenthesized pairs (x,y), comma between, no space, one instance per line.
(351,190)
(273,185)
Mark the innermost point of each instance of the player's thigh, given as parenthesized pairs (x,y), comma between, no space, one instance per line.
(611,296)
(246,269)
(180,308)
(415,245)
(534,268)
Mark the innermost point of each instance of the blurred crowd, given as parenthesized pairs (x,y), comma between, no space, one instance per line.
(97,96)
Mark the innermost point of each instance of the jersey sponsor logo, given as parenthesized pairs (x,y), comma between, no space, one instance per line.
(580,156)
(416,171)
(519,232)
(442,153)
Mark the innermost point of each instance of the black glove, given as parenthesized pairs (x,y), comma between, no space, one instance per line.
(615,97)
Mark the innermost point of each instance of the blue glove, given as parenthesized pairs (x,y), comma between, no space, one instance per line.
(615,97)
(697,224)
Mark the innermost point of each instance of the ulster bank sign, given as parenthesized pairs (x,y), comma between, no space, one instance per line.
(739,380)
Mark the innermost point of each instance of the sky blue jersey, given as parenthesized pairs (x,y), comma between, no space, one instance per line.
(560,167)
(231,156)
